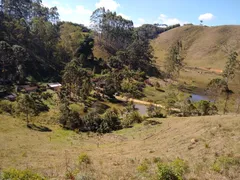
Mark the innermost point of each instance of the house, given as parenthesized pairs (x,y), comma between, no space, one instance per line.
(30,89)
(27,88)
(54,86)
(11,97)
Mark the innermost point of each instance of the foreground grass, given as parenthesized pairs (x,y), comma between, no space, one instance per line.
(203,142)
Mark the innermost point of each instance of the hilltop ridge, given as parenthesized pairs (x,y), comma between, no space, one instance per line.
(204,46)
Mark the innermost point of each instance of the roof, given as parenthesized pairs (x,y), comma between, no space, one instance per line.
(53,85)
(11,96)
(31,88)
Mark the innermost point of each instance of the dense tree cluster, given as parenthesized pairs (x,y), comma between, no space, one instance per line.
(41,45)
(151,31)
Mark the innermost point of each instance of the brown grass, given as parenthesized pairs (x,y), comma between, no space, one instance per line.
(204,46)
(117,155)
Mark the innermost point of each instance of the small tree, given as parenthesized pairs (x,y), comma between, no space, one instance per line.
(170,101)
(174,59)
(68,118)
(229,73)
(231,66)
(215,87)
(26,105)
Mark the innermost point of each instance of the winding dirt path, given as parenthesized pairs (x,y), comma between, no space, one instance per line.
(125,99)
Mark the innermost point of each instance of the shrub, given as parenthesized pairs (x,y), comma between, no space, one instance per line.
(131,118)
(165,172)
(110,121)
(84,159)
(172,171)
(39,106)
(203,107)
(46,95)
(155,112)
(69,119)
(6,106)
(143,167)
(91,122)
(206,108)
(14,174)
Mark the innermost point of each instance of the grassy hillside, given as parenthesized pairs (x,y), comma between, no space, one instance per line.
(129,153)
(203,45)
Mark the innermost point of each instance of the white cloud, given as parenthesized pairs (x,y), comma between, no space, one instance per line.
(65,10)
(78,14)
(108,4)
(82,10)
(141,20)
(164,19)
(125,16)
(206,17)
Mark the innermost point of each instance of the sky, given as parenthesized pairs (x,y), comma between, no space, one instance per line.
(211,12)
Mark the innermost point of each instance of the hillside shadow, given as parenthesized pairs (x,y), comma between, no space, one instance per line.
(38,128)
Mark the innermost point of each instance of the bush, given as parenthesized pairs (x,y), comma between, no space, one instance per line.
(39,106)
(188,109)
(155,112)
(7,106)
(131,118)
(142,168)
(165,172)
(206,108)
(172,171)
(110,121)
(84,159)
(46,95)
(14,174)
(69,119)
(91,122)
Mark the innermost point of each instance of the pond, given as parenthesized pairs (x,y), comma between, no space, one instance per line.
(198,97)
(142,109)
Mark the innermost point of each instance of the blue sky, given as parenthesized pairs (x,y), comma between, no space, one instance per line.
(212,12)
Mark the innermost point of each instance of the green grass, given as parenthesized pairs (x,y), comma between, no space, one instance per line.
(153,95)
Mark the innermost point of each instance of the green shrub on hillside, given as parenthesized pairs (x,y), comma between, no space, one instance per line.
(172,171)
(132,118)
(84,159)
(14,174)
(7,106)
(155,112)
(69,119)
(110,121)
(46,95)
(206,108)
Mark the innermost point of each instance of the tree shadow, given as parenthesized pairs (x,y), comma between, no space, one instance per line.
(38,128)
